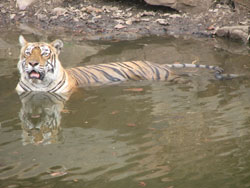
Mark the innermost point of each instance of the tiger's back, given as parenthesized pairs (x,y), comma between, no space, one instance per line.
(118,72)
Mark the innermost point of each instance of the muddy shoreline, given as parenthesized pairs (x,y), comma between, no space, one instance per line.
(117,20)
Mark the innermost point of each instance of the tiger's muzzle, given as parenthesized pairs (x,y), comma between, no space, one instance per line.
(34,71)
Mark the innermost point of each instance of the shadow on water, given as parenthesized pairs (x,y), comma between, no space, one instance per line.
(133,134)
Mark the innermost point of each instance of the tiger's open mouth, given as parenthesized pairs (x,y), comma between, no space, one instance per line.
(35,75)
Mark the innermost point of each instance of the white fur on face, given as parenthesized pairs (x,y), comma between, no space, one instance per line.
(48,70)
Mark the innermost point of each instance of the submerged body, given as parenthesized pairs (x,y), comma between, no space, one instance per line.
(41,70)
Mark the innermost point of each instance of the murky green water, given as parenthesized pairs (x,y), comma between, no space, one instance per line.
(137,134)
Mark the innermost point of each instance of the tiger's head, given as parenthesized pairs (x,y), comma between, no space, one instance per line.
(38,63)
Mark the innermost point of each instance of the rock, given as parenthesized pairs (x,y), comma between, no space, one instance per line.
(59,11)
(12,16)
(91,9)
(240,33)
(145,20)
(119,26)
(3,11)
(23,4)
(175,16)
(162,21)
(76,19)
(129,22)
(148,13)
(42,17)
(183,5)
(120,21)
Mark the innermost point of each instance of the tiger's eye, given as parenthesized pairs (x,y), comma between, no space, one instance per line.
(27,53)
(45,54)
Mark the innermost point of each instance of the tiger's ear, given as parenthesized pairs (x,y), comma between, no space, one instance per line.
(22,40)
(58,44)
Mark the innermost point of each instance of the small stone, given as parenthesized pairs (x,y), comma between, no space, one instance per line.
(129,22)
(148,13)
(76,19)
(98,17)
(90,9)
(175,16)
(59,11)
(162,21)
(3,11)
(42,17)
(128,14)
(145,19)
(119,26)
(23,4)
(53,17)
(114,8)
(12,16)
(106,9)
(120,21)
(166,15)
(243,23)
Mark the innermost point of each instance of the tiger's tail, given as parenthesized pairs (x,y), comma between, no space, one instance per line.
(218,70)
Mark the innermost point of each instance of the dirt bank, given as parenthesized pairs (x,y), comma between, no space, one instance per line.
(116,20)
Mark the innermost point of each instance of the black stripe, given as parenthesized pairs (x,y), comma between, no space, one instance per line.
(134,74)
(86,76)
(140,68)
(127,66)
(142,73)
(53,61)
(24,85)
(150,66)
(131,69)
(124,70)
(120,64)
(157,73)
(114,69)
(108,76)
(60,86)
(93,76)
(167,73)
(61,82)
(78,76)
(49,83)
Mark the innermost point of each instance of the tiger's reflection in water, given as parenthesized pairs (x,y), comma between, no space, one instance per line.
(40,117)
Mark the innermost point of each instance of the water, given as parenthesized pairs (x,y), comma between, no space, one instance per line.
(136,134)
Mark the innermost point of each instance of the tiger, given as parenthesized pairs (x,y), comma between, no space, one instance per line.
(41,70)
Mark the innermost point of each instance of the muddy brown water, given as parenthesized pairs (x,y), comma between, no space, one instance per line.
(135,134)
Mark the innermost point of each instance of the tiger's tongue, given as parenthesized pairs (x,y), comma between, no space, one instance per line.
(34,75)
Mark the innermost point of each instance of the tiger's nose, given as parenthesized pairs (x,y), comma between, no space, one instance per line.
(33,63)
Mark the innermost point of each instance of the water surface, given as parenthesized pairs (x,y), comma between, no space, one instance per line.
(136,134)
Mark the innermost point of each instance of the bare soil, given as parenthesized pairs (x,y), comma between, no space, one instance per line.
(116,20)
